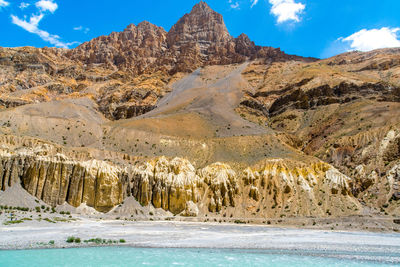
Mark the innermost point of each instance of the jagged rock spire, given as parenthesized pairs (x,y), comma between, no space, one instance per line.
(202,24)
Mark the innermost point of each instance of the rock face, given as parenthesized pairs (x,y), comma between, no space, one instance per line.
(191,210)
(280,185)
(136,48)
(31,75)
(326,95)
(199,38)
(174,184)
(343,110)
(394,182)
(202,26)
(222,180)
(56,180)
(165,184)
(35,75)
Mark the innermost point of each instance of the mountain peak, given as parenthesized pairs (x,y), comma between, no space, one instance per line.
(201,25)
(199,38)
(201,7)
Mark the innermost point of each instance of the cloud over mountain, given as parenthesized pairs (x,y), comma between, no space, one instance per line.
(367,40)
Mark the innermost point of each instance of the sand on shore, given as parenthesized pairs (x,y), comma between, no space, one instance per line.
(37,234)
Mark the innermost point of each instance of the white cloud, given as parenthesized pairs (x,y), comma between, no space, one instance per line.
(81,28)
(367,40)
(24,5)
(29,26)
(286,10)
(233,5)
(47,5)
(254,2)
(4,3)
(32,26)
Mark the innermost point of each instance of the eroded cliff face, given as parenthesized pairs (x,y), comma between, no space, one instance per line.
(275,187)
(56,179)
(343,110)
(32,75)
(280,185)
(136,48)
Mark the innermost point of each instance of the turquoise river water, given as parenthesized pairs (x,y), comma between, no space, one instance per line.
(127,256)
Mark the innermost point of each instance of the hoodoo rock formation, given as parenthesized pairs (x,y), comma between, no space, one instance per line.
(175,184)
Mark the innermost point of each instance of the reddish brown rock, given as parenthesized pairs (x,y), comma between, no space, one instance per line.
(199,38)
(134,49)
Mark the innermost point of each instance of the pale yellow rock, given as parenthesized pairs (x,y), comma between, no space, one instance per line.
(222,181)
(191,210)
(175,185)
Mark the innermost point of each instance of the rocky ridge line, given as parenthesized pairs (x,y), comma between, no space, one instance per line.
(198,39)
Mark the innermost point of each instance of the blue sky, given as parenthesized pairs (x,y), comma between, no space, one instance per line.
(318,28)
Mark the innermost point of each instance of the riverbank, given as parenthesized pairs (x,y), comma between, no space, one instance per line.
(174,234)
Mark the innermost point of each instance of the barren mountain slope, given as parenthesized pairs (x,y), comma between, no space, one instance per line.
(127,72)
(343,110)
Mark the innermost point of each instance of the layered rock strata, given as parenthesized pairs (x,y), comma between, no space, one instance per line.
(276,186)
(343,110)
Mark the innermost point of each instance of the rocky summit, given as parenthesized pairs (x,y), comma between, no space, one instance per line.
(199,123)
(198,39)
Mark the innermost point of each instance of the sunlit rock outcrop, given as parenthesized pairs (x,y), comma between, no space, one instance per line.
(222,182)
(297,188)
